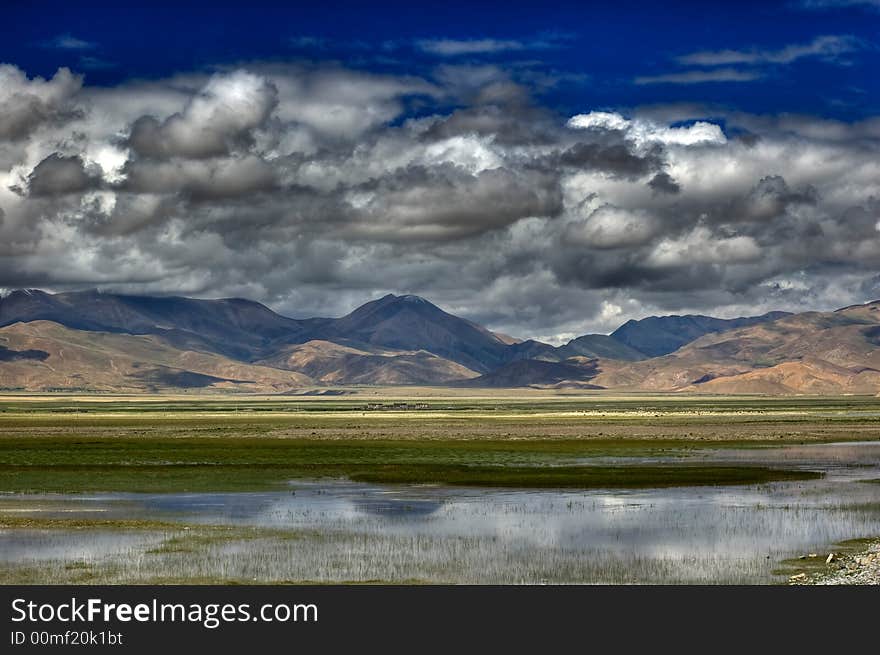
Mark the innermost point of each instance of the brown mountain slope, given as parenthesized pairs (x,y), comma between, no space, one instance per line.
(809,376)
(42,355)
(333,363)
(411,323)
(535,372)
(813,352)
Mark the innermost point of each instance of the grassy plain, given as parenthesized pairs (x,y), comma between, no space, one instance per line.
(514,438)
(72,444)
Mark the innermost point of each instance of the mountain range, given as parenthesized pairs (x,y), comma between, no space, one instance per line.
(107,342)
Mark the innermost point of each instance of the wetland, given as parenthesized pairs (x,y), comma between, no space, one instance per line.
(463,490)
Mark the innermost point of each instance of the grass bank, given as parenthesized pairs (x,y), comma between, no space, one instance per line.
(151,464)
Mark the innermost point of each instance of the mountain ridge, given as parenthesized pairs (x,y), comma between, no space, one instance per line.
(239,344)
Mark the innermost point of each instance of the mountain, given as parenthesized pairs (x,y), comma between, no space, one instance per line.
(592,346)
(531,349)
(412,323)
(535,372)
(46,356)
(660,335)
(393,340)
(93,341)
(331,363)
(812,352)
(234,327)
(600,345)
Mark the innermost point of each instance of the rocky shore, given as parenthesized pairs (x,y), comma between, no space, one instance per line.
(860,568)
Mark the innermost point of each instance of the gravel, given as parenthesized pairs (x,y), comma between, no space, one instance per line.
(861,568)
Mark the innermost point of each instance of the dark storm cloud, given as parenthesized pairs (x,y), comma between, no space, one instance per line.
(617,159)
(447,202)
(203,180)
(59,175)
(522,125)
(662,182)
(313,187)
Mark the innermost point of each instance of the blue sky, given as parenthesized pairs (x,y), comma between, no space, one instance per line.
(609,54)
(546,169)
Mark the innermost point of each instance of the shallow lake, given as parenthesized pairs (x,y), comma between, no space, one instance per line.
(338,531)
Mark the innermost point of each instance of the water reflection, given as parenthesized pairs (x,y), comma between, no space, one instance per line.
(344,531)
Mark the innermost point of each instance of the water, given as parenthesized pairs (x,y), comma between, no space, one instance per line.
(339,531)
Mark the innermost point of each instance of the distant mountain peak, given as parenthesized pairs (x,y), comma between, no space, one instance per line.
(403,298)
(660,335)
(413,298)
(24,292)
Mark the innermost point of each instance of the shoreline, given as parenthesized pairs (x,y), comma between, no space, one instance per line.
(860,567)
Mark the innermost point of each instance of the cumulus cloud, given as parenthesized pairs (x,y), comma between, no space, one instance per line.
(610,227)
(26,104)
(219,118)
(59,175)
(663,182)
(314,187)
(643,131)
(701,246)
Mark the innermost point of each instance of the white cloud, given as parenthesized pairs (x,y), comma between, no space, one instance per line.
(224,111)
(612,227)
(604,120)
(452,47)
(455,47)
(643,131)
(701,246)
(836,4)
(26,104)
(471,152)
(700,76)
(69,42)
(828,46)
(501,211)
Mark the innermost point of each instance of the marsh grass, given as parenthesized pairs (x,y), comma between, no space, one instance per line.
(148,464)
(679,534)
(583,477)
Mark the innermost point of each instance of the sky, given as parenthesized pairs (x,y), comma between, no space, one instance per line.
(546,169)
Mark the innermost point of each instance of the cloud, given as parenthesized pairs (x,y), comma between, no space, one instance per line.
(312,187)
(69,42)
(457,47)
(700,77)
(200,180)
(644,132)
(837,4)
(59,175)
(701,246)
(617,159)
(663,182)
(610,227)
(218,119)
(95,63)
(826,47)
(746,65)
(453,47)
(446,202)
(26,104)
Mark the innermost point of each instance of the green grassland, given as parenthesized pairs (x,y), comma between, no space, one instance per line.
(156,444)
